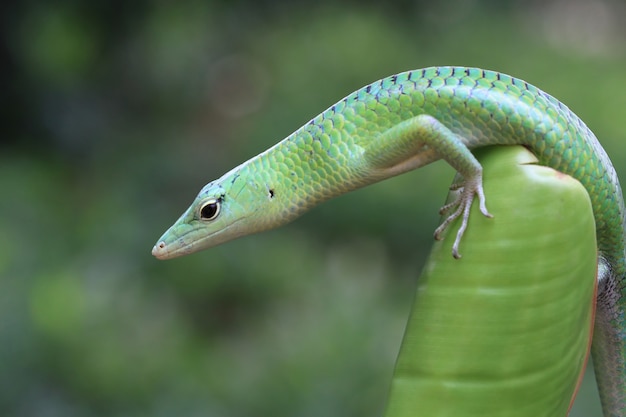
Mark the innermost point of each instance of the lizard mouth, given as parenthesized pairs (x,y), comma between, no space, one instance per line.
(174,244)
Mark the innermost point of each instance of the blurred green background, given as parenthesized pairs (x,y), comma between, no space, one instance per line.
(116,113)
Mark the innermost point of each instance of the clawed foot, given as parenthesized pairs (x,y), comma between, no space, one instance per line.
(463,203)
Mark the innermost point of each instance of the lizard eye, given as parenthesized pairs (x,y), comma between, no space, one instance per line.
(210,210)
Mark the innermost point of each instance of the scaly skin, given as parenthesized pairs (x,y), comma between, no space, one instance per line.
(404,122)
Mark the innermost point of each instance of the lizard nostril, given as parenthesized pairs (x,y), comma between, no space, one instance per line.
(159,249)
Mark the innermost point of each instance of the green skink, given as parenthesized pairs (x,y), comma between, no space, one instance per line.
(406,121)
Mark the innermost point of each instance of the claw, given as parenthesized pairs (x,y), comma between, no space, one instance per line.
(463,204)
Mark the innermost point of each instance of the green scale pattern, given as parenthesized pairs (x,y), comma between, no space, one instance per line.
(324,158)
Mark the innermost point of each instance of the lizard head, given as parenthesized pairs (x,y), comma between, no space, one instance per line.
(232,206)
